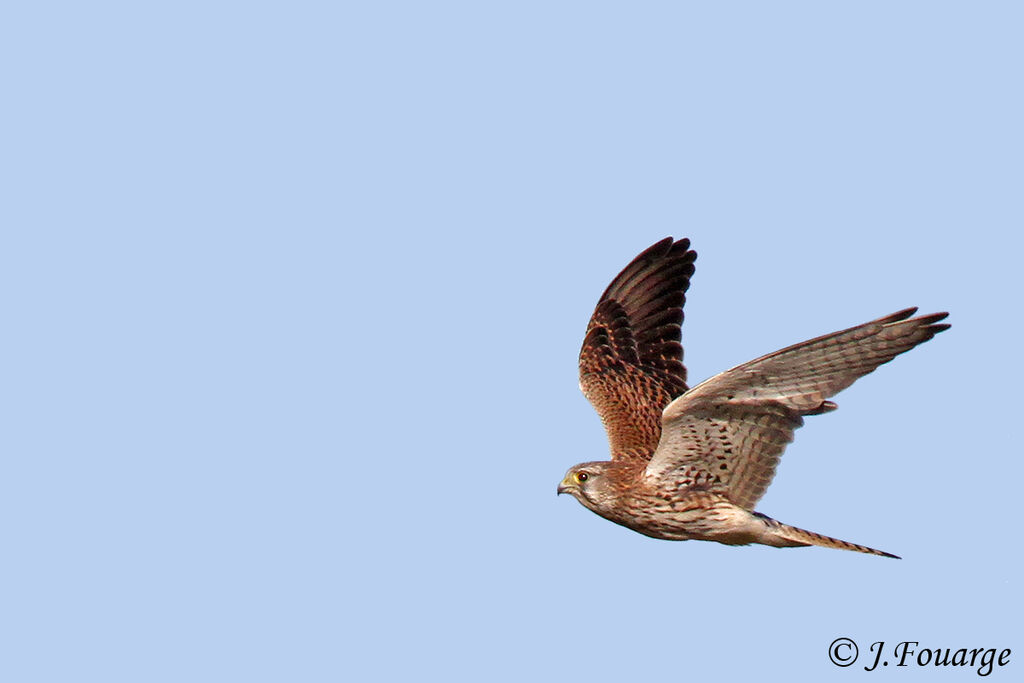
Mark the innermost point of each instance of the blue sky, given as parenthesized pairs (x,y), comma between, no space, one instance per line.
(292,296)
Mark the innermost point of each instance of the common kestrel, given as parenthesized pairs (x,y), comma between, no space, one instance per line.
(692,463)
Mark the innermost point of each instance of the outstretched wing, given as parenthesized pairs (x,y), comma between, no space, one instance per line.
(631,363)
(729,432)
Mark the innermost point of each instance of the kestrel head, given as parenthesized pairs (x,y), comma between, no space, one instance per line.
(590,484)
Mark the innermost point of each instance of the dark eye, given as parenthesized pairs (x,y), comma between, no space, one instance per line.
(582,477)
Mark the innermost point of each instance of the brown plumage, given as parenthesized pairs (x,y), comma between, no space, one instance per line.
(692,464)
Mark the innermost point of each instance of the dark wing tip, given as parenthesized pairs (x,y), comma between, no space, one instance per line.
(934,318)
(898,315)
(683,247)
(665,248)
(926,323)
(825,407)
(664,266)
(656,250)
(680,246)
(930,325)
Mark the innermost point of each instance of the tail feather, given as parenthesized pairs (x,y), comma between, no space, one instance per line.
(784,535)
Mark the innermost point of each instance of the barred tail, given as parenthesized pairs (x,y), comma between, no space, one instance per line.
(784,535)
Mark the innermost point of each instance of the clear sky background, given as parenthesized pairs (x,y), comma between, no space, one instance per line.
(292,295)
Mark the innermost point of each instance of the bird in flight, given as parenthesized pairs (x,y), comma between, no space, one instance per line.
(692,463)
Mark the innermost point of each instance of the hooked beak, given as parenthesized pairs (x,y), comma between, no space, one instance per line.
(566,486)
